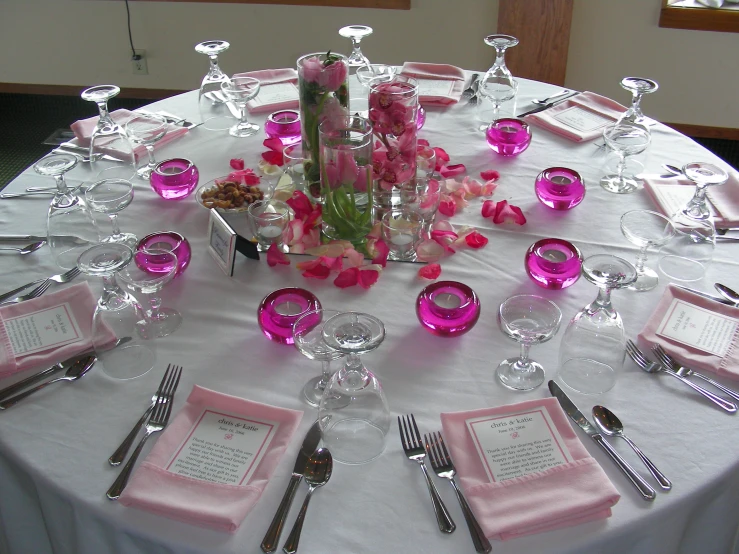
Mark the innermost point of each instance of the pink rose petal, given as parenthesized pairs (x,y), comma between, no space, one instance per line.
(275,256)
(237,163)
(430,271)
(429,251)
(452,170)
(447,206)
(475,240)
(490,175)
(368,275)
(347,278)
(381,253)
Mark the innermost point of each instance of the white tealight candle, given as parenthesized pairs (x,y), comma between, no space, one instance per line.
(508,129)
(270,231)
(288,308)
(401,240)
(561,180)
(447,300)
(556,256)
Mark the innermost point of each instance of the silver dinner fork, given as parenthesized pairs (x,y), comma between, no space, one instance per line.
(410,438)
(442,464)
(470,93)
(653,367)
(157,422)
(683,371)
(38,291)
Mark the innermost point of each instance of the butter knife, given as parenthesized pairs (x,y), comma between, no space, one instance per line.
(706,295)
(647,492)
(549,105)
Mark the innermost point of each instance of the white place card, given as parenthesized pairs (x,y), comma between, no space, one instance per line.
(222,242)
(674,197)
(223,448)
(581,119)
(275,94)
(42,330)
(435,87)
(518,443)
(698,327)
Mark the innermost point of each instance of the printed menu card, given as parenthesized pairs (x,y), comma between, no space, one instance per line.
(42,330)
(698,327)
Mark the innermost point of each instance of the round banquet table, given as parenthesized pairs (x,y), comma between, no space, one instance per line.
(54,446)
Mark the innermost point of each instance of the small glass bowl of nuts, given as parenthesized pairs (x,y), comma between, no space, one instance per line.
(228,195)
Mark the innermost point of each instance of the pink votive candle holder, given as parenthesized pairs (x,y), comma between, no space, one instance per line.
(164,240)
(279,310)
(559,188)
(447,308)
(508,136)
(553,263)
(174,179)
(284,125)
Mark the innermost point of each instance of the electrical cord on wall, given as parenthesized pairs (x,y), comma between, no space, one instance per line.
(134,55)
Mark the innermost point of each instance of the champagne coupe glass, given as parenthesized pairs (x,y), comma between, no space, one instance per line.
(638,87)
(356,33)
(215,113)
(69,227)
(147,129)
(110,196)
(625,138)
(646,229)
(497,85)
(354,433)
(703,175)
(117,317)
(107,135)
(308,335)
(594,344)
(528,319)
(240,90)
(159,322)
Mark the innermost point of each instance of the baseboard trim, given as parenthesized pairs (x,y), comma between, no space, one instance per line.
(72,90)
(703,131)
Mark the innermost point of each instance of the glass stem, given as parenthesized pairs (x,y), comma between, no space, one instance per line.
(215,70)
(105,119)
(636,104)
(641,258)
(114,221)
(150,151)
(110,290)
(524,359)
(155,302)
(621,165)
(325,374)
(61,184)
(243,112)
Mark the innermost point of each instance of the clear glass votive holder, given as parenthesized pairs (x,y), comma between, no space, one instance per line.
(174,179)
(425,162)
(268,220)
(553,263)
(401,231)
(447,308)
(284,125)
(279,310)
(559,188)
(164,240)
(508,136)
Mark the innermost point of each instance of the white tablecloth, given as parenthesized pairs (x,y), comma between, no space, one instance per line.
(54,447)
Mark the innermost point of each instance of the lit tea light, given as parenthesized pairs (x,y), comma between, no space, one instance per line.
(559,188)
(447,308)
(159,246)
(447,300)
(553,263)
(279,310)
(507,129)
(560,180)
(556,256)
(402,240)
(271,231)
(289,308)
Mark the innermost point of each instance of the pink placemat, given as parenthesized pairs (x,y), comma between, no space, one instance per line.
(268,77)
(437,71)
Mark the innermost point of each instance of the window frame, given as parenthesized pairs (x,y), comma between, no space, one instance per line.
(377,4)
(698,18)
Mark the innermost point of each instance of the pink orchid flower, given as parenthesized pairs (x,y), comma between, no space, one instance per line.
(275,256)
(502,212)
(430,271)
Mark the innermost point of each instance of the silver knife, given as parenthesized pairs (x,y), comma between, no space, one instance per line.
(35,238)
(647,492)
(549,105)
(702,294)
(310,443)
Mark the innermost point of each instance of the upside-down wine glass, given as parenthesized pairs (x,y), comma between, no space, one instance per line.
(638,87)
(594,344)
(625,138)
(498,84)
(110,196)
(703,175)
(215,113)
(354,433)
(528,319)
(147,129)
(108,135)
(240,90)
(118,317)
(356,33)
(646,229)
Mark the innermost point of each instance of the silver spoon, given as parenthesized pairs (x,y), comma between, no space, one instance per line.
(551,98)
(26,249)
(673,169)
(727,293)
(317,474)
(607,421)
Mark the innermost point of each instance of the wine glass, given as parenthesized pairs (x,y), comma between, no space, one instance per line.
(703,175)
(107,135)
(528,319)
(159,322)
(215,114)
(593,346)
(638,87)
(646,229)
(356,33)
(147,129)
(625,138)
(687,256)
(268,220)
(110,196)
(308,337)
(354,433)
(118,317)
(240,90)
(497,85)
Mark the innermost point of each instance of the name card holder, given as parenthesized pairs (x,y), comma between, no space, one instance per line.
(224,242)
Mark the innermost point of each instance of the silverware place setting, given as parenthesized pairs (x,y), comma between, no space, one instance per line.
(45,283)
(28,249)
(469,94)
(727,293)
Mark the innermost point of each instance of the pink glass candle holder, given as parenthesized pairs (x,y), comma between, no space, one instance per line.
(553,263)
(279,310)
(560,188)
(284,125)
(508,136)
(174,179)
(165,240)
(447,308)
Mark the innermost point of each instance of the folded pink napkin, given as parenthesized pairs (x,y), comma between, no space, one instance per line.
(270,99)
(725,366)
(565,119)
(724,198)
(436,71)
(210,504)
(83,129)
(71,321)
(565,495)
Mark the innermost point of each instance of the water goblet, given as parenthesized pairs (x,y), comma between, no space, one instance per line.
(356,33)
(108,135)
(528,319)
(354,433)
(638,87)
(593,347)
(626,139)
(118,317)
(268,220)
(687,256)
(703,175)
(215,114)
(308,339)
(401,231)
(497,85)
(240,90)
(146,129)
(646,229)
(110,196)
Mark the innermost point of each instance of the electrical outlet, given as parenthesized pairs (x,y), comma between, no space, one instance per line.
(139,66)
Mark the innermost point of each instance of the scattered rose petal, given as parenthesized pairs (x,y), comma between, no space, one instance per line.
(441,158)
(355,258)
(381,253)
(368,275)
(447,206)
(347,278)
(276,256)
(237,163)
(475,240)
(429,251)
(452,170)
(502,212)
(330,250)
(314,269)
(430,271)
(490,175)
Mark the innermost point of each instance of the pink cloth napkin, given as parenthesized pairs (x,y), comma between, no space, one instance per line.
(214,505)
(590,101)
(269,77)
(81,304)
(724,198)
(561,496)
(437,71)
(728,366)
(83,129)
